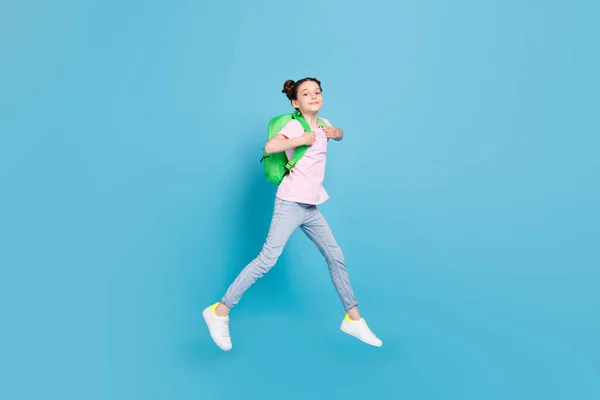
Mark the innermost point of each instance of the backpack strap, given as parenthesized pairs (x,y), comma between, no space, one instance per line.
(299,153)
(300,150)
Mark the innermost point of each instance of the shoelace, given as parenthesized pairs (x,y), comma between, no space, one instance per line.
(225,329)
(364,324)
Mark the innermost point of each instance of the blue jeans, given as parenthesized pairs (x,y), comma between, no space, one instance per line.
(287,217)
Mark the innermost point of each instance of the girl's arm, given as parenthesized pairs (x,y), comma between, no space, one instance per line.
(281,143)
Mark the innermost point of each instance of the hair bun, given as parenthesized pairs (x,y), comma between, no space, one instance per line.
(288,88)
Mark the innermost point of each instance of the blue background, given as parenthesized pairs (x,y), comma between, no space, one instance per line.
(465,196)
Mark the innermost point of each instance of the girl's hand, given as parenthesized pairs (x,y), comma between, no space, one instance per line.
(308,138)
(333,133)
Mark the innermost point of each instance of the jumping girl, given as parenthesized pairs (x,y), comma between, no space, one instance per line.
(296,203)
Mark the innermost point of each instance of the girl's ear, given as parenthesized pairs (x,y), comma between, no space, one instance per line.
(295,103)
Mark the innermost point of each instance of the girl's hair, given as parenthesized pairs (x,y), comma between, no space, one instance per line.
(290,88)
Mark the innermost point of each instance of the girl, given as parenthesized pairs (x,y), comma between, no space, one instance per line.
(296,207)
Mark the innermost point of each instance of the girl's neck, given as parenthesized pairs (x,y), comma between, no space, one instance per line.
(311,119)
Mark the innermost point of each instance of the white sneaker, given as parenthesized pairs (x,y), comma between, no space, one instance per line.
(218,327)
(360,330)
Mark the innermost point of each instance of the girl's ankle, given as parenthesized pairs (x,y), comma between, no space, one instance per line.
(222,310)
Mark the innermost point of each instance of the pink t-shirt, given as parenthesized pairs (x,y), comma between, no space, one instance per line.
(305,183)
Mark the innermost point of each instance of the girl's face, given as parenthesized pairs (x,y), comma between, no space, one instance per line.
(309,98)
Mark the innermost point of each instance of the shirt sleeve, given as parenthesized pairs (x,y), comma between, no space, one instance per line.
(292,130)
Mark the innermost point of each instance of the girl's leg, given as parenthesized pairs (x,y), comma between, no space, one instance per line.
(287,217)
(316,228)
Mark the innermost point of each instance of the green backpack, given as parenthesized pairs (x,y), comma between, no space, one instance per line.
(277,165)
